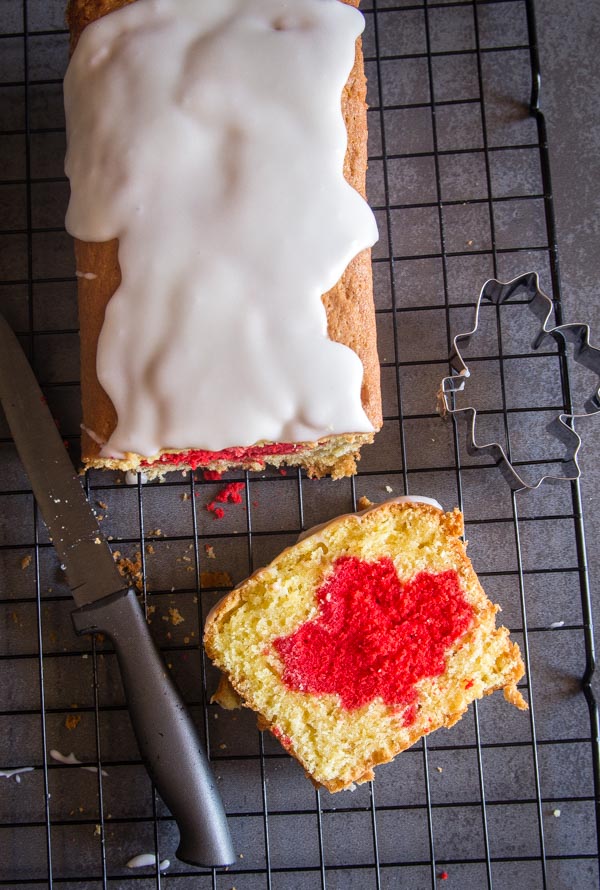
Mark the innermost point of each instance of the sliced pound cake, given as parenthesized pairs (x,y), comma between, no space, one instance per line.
(367,634)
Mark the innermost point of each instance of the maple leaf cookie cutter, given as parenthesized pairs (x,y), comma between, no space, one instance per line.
(562,426)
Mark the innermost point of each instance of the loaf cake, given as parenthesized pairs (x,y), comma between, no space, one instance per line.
(329,446)
(366,635)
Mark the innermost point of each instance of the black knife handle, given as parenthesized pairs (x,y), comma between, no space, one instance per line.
(167,738)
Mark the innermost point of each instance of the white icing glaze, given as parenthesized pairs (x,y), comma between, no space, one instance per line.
(93,436)
(143,860)
(208,138)
(89,276)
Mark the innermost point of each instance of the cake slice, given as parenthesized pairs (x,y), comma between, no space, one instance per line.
(364,636)
(349,315)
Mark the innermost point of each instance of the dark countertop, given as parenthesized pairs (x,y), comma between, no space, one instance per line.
(569,43)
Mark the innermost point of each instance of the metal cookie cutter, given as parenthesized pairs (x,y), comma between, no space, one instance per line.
(539,304)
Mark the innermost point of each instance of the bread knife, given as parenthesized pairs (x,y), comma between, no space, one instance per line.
(167,739)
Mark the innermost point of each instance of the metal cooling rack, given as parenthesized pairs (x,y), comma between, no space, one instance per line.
(460,178)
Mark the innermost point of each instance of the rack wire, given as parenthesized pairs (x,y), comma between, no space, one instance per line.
(460,180)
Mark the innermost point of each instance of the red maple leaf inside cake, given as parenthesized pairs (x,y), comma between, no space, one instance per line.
(374,635)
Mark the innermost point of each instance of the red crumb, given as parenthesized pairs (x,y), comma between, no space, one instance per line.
(469,683)
(195,458)
(375,636)
(232,492)
(212,475)
(282,471)
(284,739)
(443,876)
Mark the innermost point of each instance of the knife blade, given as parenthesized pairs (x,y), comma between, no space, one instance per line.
(167,738)
(73,528)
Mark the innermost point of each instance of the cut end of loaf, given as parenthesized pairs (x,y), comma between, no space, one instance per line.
(343,698)
(334,456)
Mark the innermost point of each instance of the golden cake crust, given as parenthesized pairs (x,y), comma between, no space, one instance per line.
(483,644)
(349,304)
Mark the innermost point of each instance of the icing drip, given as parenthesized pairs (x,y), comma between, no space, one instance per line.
(9,773)
(71,760)
(209,139)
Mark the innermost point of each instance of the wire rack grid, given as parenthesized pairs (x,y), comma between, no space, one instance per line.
(460,182)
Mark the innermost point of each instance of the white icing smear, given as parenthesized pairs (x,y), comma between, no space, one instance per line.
(71,760)
(9,773)
(208,138)
(143,860)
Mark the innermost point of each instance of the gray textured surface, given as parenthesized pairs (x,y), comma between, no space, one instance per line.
(569,39)
(328,840)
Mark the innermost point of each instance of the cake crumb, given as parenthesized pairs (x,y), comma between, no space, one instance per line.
(25,562)
(364,503)
(440,769)
(185,496)
(102,505)
(556,813)
(130,568)
(150,549)
(97,830)
(389,489)
(231,493)
(210,551)
(175,616)
(72,721)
